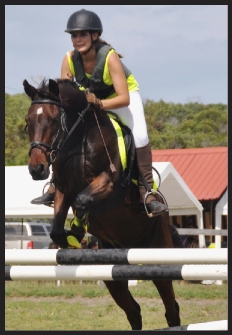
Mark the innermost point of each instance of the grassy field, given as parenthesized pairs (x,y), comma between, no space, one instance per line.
(87,306)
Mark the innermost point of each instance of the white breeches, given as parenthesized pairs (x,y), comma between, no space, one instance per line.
(133,117)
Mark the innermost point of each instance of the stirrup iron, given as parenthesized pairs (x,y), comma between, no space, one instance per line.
(153,192)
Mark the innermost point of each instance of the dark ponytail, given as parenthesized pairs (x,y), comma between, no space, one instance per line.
(100,41)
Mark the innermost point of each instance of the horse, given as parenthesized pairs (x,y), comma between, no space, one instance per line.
(81,144)
(189,241)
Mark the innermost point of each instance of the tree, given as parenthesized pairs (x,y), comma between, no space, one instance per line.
(170,126)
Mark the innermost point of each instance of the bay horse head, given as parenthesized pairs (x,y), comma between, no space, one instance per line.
(46,123)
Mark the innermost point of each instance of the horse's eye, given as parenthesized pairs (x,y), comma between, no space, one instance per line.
(54,122)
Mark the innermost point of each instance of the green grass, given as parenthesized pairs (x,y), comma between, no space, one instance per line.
(79,305)
(146,289)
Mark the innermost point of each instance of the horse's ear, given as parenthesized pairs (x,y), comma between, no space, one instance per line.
(29,90)
(53,87)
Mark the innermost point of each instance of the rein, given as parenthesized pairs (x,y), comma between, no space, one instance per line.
(53,151)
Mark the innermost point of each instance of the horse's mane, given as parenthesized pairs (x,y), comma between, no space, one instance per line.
(70,93)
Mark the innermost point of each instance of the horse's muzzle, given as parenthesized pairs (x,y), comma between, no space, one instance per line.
(39,172)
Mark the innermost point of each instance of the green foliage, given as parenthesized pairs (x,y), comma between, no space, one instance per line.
(170,126)
(16,138)
(190,125)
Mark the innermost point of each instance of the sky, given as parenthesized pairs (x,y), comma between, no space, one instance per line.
(177,53)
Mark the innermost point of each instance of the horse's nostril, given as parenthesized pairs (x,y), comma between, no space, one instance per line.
(40,168)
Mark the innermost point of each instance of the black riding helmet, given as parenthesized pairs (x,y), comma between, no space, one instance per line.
(84,20)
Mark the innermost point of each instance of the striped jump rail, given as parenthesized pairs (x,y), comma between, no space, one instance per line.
(116,272)
(115,256)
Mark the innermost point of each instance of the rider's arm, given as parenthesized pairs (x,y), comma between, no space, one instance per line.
(65,69)
(120,85)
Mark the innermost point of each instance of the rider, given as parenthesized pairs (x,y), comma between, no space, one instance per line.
(96,66)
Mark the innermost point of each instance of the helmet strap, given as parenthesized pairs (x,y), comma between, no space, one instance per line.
(91,46)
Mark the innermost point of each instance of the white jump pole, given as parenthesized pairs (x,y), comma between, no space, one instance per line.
(116,272)
(212,325)
(115,256)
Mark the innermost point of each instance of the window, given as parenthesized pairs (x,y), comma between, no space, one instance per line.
(49,228)
(10,230)
(19,231)
(38,230)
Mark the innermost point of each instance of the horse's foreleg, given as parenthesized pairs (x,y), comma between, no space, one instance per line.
(123,298)
(99,189)
(58,234)
(166,292)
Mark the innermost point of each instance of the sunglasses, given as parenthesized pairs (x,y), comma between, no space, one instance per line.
(81,33)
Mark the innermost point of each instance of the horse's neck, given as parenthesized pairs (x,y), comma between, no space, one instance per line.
(89,117)
(77,125)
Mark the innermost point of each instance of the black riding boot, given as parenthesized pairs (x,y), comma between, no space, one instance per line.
(48,197)
(144,160)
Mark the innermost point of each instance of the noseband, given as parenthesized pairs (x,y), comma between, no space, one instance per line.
(41,145)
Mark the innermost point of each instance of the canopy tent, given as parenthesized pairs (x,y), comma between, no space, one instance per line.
(220,209)
(20,189)
(179,197)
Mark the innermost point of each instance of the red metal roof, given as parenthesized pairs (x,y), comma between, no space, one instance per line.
(204,170)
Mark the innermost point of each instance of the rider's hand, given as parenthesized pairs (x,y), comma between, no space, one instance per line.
(91,98)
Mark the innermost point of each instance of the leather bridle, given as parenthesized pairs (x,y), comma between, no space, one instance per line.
(44,147)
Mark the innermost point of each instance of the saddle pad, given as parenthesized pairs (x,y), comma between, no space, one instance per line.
(121,144)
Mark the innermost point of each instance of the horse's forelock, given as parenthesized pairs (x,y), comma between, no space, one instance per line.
(43,90)
(44,84)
